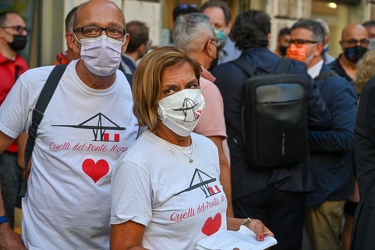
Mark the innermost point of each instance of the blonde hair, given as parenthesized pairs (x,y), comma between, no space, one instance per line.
(147,81)
(365,70)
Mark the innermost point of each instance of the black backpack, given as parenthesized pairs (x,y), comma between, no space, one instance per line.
(274,115)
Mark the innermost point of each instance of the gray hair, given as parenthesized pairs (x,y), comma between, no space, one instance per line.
(324,24)
(189,31)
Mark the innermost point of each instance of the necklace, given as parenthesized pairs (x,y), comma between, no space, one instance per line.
(166,137)
(189,157)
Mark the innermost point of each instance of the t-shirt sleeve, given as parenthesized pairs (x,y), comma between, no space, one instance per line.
(130,183)
(212,122)
(14,110)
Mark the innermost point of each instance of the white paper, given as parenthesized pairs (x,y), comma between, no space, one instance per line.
(243,239)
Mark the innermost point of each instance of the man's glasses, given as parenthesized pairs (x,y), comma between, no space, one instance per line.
(95,31)
(192,7)
(354,42)
(17,28)
(217,41)
(300,42)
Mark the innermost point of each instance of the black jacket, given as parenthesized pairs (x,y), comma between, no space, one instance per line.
(229,79)
(364,146)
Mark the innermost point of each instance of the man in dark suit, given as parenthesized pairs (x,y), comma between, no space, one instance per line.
(330,149)
(276,196)
(364,145)
(139,45)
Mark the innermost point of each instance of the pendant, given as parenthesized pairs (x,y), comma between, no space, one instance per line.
(190,160)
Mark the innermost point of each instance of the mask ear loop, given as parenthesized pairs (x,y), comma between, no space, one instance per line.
(74,34)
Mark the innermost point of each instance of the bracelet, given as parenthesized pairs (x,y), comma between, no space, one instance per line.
(3,219)
(245,221)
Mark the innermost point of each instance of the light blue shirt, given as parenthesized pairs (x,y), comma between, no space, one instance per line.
(229,52)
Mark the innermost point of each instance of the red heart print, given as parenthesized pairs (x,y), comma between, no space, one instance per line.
(95,170)
(211,226)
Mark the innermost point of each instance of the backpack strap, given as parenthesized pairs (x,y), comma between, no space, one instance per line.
(283,65)
(37,116)
(325,75)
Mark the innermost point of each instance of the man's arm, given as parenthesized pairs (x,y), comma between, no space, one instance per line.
(8,238)
(224,172)
(21,144)
(343,107)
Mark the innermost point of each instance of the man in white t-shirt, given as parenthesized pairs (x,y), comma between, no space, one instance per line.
(87,125)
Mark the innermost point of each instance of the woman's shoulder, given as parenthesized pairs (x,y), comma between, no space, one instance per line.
(201,139)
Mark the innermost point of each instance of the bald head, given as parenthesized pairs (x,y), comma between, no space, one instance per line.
(354,43)
(102,13)
(354,31)
(98,13)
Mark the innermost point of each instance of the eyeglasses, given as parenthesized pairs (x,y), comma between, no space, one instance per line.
(217,41)
(354,42)
(17,28)
(95,31)
(192,7)
(300,42)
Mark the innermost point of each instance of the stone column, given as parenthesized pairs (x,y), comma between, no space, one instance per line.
(284,13)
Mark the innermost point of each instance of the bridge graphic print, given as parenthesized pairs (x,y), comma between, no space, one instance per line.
(99,124)
(202,180)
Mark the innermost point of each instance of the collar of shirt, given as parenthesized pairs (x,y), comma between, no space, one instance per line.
(130,58)
(315,70)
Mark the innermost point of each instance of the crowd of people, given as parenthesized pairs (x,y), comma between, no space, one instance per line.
(144,148)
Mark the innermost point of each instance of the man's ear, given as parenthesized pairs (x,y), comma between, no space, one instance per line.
(228,28)
(69,38)
(210,50)
(319,49)
(142,48)
(125,45)
(341,44)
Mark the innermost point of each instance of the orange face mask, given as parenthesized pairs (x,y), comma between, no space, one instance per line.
(295,53)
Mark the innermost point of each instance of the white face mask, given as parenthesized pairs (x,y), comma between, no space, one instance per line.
(180,112)
(101,55)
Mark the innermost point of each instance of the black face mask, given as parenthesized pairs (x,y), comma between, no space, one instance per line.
(283,50)
(354,53)
(214,62)
(19,42)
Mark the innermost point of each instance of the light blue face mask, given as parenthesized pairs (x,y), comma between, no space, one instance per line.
(222,36)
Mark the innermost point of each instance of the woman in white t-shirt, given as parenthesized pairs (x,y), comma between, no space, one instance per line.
(166,192)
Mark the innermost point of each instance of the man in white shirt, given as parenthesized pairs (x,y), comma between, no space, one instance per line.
(87,125)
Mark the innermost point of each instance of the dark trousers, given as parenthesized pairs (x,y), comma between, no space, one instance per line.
(10,182)
(281,211)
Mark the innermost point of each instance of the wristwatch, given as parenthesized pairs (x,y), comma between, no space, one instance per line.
(3,219)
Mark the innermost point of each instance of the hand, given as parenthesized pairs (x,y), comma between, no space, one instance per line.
(259,229)
(10,239)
